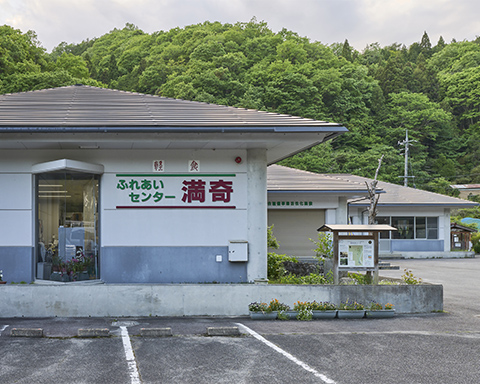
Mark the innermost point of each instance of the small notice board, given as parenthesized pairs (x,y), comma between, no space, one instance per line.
(355,247)
(356,253)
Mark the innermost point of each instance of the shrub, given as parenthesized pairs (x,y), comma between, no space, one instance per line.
(409,278)
(361,279)
(275,267)
(324,245)
(271,239)
(313,278)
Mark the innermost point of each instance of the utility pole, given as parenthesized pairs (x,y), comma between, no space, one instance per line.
(406,143)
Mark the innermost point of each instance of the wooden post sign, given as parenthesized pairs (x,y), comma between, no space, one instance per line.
(355,247)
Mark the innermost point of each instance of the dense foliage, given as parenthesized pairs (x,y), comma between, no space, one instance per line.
(378,94)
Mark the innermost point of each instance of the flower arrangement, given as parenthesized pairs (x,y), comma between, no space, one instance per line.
(388,306)
(259,307)
(302,306)
(351,306)
(374,306)
(79,263)
(304,310)
(275,305)
(305,315)
(322,306)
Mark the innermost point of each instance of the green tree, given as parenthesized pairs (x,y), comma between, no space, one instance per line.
(20,52)
(74,65)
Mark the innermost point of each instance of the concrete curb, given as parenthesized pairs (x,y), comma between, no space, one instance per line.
(156,332)
(26,332)
(93,332)
(223,331)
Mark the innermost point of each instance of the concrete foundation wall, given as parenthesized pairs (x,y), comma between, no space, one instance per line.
(83,300)
(428,255)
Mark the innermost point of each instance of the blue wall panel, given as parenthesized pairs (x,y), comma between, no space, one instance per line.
(169,265)
(16,264)
(417,245)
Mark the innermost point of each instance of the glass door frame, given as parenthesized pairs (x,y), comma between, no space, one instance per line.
(65,167)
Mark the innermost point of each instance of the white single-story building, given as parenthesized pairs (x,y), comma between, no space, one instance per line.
(300,202)
(422,218)
(123,187)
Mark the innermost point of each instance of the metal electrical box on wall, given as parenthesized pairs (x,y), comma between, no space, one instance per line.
(238,251)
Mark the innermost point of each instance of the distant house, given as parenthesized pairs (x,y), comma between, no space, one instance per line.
(422,218)
(299,202)
(467,190)
(461,237)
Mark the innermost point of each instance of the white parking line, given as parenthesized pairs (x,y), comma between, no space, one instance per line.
(130,357)
(321,376)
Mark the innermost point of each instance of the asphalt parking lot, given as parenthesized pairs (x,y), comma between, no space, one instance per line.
(427,348)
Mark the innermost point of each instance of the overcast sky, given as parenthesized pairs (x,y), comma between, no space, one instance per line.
(362,22)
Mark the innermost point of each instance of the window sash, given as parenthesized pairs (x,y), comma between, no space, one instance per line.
(410,227)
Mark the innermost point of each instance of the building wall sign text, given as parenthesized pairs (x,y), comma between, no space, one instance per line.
(176,191)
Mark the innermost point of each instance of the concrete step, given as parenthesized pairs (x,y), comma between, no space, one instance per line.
(390,256)
(384,265)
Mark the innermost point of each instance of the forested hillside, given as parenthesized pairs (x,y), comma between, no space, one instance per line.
(379,93)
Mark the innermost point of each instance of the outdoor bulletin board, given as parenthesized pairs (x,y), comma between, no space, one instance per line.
(355,247)
(356,253)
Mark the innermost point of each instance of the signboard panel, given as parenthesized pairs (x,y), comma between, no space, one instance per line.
(356,253)
(218,191)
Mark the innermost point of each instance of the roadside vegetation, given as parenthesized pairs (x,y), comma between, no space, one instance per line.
(283,269)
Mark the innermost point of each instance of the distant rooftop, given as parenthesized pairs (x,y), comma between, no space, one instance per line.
(466,186)
(285,179)
(280,178)
(399,195)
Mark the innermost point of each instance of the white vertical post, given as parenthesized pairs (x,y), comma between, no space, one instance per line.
(446,230)
(342,211)
(331,216)
(257,214)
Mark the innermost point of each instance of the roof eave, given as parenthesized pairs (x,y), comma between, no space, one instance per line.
(335,130)
(444,205)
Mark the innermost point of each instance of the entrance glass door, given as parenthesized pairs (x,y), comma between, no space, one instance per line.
(67,226)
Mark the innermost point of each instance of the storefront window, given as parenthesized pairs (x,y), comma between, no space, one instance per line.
(67,226)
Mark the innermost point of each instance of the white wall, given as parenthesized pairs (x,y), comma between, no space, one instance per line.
(171,227)
(146,227)
(16,209)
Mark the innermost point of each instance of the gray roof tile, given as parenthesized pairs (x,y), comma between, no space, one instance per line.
(84,106)
(287,179)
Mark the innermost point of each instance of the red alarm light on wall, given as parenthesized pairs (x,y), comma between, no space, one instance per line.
(238,159)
